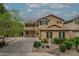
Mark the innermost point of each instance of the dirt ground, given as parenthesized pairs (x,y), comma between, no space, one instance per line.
(54,50)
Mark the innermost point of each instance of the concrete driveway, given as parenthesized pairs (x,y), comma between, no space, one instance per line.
(20,46)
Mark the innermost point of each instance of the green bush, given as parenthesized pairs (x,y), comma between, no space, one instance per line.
(58,40)
(68,44)
(62,47)
(37,44)
(76,42)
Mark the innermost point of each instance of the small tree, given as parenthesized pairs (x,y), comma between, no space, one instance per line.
(2,8)
(45,41)
(62,47)
(37,44)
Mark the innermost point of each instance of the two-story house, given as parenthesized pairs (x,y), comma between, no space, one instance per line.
(50,27)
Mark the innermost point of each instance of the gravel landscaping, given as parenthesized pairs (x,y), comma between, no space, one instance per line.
(54,50)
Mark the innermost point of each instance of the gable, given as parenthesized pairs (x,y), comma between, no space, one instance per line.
(50,17)
(54,20)
(53,16)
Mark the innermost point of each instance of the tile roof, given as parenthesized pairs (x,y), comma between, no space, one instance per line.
(76,18)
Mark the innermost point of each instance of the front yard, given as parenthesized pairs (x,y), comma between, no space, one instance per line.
(55,50)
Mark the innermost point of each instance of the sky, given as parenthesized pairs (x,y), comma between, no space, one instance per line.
(34,11)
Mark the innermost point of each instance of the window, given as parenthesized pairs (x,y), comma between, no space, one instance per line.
(43,22)
(62,35)
(49,34)
(26,25)
(46,22)
(27,32)
(30,25)
(59,21)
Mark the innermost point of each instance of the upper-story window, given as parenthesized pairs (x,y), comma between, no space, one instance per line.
(30,25)
(43,22)
(59,22)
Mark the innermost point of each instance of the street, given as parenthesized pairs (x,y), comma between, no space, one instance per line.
(21,46)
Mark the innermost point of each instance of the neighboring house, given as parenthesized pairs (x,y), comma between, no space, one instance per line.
(50,27)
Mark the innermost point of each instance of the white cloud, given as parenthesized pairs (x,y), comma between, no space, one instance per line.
(71,14)
(33,5)
(47,11)
(75,13)
(51,5)
(44,10)
(57,12)
(29,10)
(40,13)
(56,5)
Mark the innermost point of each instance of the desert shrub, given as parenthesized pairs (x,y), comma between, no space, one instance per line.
(58,40)
(42,46)
(62,47)
(44,41)
(37,44)
(47,46)
(68,44)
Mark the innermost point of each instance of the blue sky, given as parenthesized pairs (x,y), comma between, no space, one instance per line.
(32,11)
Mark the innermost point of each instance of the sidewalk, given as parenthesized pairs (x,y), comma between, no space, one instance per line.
(41,54)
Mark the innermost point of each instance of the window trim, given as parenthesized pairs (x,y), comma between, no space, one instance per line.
(49,34)
(43,22)
(62,34)
(59,22)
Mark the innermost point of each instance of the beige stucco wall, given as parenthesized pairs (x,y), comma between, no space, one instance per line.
(43,34)
(68,34)
(54,34)
(53,20)
(75,34)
